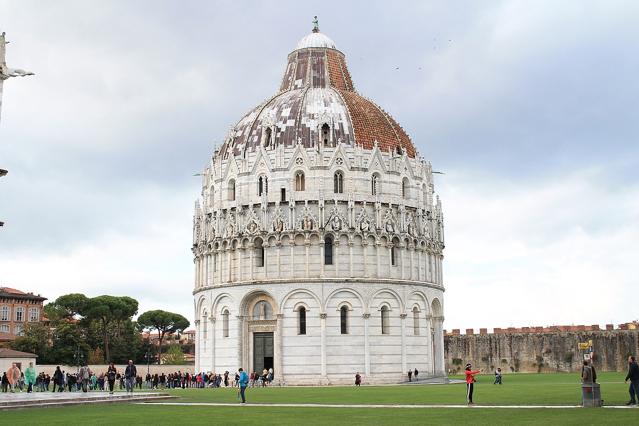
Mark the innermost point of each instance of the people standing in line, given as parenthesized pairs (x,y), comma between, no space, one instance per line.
(633,376)
(112,372)
(497,376)
(5,382)
(470,381)
(57,377)
(415,374)
(30,377)
(13,376)
(130,373)
(243,382)
(84,375)
(410,375)
(94,382)
(358,379)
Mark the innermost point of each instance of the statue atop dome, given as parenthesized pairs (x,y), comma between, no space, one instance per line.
(315,25)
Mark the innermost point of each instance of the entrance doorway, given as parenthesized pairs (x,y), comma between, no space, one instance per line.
(262,351)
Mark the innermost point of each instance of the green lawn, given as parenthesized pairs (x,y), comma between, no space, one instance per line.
(520,389)
(524,389)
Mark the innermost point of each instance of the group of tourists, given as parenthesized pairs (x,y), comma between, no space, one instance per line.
(413,374)
(83,380)
(13,379)
(86,380)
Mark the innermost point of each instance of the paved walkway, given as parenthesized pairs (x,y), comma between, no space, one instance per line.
(50,399)
(471,407)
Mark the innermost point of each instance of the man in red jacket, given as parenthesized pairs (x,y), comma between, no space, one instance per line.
(470,380)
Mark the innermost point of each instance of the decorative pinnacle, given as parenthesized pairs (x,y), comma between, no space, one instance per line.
(315,25)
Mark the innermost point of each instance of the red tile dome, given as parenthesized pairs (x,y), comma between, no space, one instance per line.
(316,94)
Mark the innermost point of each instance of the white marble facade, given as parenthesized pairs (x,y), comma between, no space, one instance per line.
(329,252)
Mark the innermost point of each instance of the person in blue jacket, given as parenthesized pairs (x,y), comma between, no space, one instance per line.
(244,380)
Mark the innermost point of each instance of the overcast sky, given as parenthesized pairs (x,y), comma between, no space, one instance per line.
(530,108)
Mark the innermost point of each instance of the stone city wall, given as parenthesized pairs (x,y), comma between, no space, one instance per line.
(540,349)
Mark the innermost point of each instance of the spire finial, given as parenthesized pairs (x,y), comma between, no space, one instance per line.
(315,25)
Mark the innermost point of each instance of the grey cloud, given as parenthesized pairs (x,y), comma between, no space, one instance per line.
(130,97)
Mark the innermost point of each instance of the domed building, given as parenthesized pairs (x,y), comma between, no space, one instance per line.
(318,239)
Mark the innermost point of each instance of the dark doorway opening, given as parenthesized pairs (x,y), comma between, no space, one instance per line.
(262,351)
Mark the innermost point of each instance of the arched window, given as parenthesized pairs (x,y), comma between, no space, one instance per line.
(302,320)
(385,320)
(405,188)
(425,193)
(416,321)
(299,181)
(262,185)
(328,251)
(375,184)
(338,183)
(394,251)
(268,136)
(343,320)
(232,190)
(262,311)
(259,253)
(326,133)
(225,322)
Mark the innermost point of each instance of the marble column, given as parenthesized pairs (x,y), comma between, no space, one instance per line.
(278,352)
(213,348)
(367,350)
(198,336)
(323,344)
(403,325)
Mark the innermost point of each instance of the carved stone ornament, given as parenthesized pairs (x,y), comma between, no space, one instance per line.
(253,223)
(279,223)
(336,221)
(196,233)
(390,224)
(230,225)
(363,222)
(307,221)
(410,224)
(426,227)
(211,228)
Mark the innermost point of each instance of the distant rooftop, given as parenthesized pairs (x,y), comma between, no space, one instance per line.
(9,292)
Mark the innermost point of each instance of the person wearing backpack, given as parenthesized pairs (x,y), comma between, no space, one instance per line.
(244,380)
